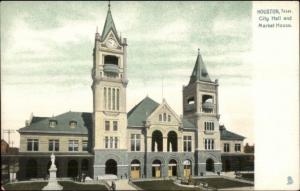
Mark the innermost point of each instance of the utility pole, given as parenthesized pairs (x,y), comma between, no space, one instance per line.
(8,131)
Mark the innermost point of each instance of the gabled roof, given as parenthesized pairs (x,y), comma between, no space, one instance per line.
(199,72)
(139,113)
(109,25)
(228,135)
(41,124)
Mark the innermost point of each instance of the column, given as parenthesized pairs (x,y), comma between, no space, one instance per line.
(165,144)
(179,143)
(149,143)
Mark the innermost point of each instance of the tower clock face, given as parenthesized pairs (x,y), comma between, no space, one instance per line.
(111,43)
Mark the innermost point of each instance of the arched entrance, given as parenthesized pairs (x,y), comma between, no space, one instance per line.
(72,168)
(227,165)
(187,168)
(135,171)
(111,167)
(210,165)
(31,168)
(157,141)
(172,168)
(85,166)
(172,141)
(156,169)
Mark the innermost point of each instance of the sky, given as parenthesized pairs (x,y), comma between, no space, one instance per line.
(46,56)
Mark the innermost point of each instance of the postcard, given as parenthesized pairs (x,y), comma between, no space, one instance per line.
(144,95)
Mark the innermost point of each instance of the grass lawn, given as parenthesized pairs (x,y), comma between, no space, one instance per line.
(74,186)
(248,177)
(221,183)
(161,185)
(25,186)
(66,186)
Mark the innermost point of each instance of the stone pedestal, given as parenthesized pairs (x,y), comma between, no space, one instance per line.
(52,184)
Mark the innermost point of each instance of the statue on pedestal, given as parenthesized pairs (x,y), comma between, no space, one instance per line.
(52,184)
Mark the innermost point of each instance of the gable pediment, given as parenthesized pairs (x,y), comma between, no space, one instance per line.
(111,37)
(164,115)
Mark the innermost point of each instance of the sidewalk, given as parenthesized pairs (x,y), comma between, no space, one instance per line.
(122,185)
(237,188)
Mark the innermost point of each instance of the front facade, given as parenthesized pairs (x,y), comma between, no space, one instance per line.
(151,140)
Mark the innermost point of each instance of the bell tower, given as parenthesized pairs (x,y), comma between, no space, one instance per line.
(200,104)
(109,98)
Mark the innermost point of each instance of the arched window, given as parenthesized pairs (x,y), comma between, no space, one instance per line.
(210,165)
(111,167)
(156,169)
(169,118)
(172,141)
(157,141)
(135,169)
(187,168)
(165,117)
(172,168)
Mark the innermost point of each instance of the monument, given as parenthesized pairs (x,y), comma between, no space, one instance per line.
(52,183)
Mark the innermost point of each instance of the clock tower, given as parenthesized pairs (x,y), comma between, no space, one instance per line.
(109,101)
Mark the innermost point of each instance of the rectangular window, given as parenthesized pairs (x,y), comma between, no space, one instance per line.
(209,144)
(111,142)
(73,145)
(187,143)
(113,99)
(84,145)
(237,147)
(105,99)
(32,144)
(118,99)
(106,142)
(115,126)
(109,98)
(226,147)
(135,142)
(209,126)
(116,142)
(107,126)
(53,145)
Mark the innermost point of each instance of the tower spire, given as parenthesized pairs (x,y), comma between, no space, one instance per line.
(199,72)
(109,25)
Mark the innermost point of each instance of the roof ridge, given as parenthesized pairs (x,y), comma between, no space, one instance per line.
(143,100)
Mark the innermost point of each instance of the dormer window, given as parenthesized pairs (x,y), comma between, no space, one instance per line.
(52,123)
(72,124)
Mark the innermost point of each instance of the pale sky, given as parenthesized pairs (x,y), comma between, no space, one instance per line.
(46,56)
